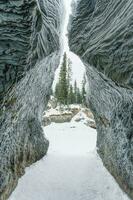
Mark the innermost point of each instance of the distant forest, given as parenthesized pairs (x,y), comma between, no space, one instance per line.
(65,92)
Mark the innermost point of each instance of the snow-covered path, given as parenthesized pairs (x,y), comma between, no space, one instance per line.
(71,170)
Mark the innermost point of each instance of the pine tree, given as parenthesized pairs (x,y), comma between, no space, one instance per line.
(69,79)
(79,96)
(71,95)
(83,90)
(62,86)
(75,91)
(57,89)
(69,72)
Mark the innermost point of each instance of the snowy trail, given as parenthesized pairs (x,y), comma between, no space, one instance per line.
(71,170)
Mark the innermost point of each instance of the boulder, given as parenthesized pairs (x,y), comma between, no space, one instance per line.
(59,115)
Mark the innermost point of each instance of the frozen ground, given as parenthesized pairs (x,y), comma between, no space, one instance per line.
(72,170)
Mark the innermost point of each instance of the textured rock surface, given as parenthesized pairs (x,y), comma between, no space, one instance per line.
(101,33)
(29,54)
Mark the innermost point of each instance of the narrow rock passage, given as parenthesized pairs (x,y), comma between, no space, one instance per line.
(72,170)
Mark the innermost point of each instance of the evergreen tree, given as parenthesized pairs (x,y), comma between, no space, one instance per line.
(75,91)
(57,91)
(65,92)
(83,90)
(69,73)
(71,97)
(62,86)
(79,96)
(69,79)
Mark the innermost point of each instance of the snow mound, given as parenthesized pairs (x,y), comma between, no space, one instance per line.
(82,117)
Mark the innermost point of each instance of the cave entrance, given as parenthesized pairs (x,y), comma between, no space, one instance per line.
(68,97)
(69,126)
(72,169)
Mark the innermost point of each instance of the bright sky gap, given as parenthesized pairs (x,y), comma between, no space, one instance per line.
(78,68)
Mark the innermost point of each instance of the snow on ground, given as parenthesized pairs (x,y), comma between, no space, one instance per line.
(72,170)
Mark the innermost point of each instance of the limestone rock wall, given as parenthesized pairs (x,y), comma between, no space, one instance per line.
(101,33)
(30,49)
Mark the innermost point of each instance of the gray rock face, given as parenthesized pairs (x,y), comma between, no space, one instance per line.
(29,55)
(101,33)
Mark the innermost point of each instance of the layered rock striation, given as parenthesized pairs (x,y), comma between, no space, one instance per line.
(30,51)
(101,33)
